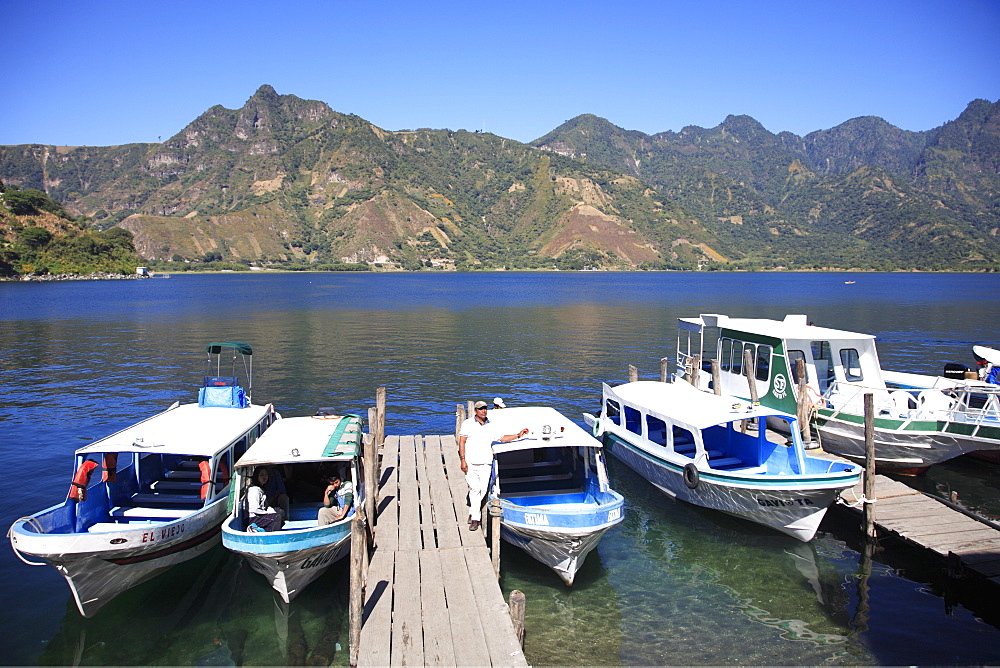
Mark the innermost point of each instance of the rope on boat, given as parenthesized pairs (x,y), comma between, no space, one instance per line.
(38,527)
(858,502)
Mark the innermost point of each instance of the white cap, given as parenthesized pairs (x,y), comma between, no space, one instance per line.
(497,401)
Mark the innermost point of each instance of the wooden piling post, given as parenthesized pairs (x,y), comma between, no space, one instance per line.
(359,554)
(495,514)
(380,409)
(750,371)
(695,370)
(803,402)
(516,603)
(716,378)
(869,478)
(459,418)
(664,369)
(371,477)
(633,373)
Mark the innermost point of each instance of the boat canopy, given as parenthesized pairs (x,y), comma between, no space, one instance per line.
(548,429)
(684,405)
(239,346)
(306,439)
(794,327)
(183,430)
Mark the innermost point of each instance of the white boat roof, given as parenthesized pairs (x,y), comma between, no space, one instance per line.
(794,326)
(683,404)
(989,354)
(561,432)
(305,439)
(187,429)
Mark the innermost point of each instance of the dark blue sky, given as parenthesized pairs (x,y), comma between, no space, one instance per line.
(110,72)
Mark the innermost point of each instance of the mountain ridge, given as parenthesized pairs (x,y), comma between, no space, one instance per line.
(284,179)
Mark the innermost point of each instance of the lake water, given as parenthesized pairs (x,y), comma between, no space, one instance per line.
(672,584)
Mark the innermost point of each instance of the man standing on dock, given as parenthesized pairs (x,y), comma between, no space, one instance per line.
(475,448)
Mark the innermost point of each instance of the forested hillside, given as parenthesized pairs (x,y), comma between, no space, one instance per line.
(290,181)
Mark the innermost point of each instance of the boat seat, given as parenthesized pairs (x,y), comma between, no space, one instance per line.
(103,527)
(534,478)
(171,499)
(153,513)
(183,485)
(725,462)
(292,525)
(183,475)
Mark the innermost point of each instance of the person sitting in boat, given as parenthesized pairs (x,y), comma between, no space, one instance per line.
(262,515)
(338,497)
(277,496)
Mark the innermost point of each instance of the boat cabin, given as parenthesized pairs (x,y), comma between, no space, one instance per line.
(830,358)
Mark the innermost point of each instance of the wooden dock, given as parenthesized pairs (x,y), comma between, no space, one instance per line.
(968,544)
(432,596)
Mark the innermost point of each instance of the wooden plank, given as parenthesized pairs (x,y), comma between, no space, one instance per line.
(376,633)
(985,550)
(501,641)
(896,523)
(467,632)
(459,491)
(407,622)
(439,647)
(446,523)
(387,528)
(424,490)
(409,510)
(945,543)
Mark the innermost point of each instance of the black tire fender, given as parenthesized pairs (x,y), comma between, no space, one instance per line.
(691,478)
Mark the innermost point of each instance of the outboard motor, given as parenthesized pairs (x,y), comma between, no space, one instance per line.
(956,371)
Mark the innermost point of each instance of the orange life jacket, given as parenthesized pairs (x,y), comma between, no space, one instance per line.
(108,471)
(206,477)
(78,488)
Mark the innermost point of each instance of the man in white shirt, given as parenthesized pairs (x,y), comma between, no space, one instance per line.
(475,448)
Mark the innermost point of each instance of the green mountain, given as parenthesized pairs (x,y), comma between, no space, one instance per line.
(863,194)
(289,180)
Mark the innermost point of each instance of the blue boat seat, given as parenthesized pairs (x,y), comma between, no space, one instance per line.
(725,462)
(167,499)
(193,486)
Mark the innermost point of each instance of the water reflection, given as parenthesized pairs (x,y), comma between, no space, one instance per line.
(673,584)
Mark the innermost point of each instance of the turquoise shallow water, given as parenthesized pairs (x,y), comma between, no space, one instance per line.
(672,584)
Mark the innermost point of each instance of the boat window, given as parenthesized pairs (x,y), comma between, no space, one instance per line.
(240,448)
(763,363)
(793,361)
(613,411)
(737,366)
(726,354)
(633,420)
(656,430)
(222,472)
(683,441)
(851,362)
(823,361)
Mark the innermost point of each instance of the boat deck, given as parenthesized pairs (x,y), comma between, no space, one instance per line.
(432,597)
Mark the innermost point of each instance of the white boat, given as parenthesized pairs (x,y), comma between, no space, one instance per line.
(306,450)
(692,446)
(149,496)
(553,488)
(919,420)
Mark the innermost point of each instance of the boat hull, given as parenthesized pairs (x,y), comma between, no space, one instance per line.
(912,447)
(562,551)
(290,560)
(789,505)
(101,565)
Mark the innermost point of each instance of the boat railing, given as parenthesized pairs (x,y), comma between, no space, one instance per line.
(970,404)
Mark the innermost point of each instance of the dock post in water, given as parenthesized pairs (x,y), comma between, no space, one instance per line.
(495,514)
(633,373)
(716,378)
(517,605)
(869,490)
(371,475)
(803,402)
(664,369)
(359,559)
